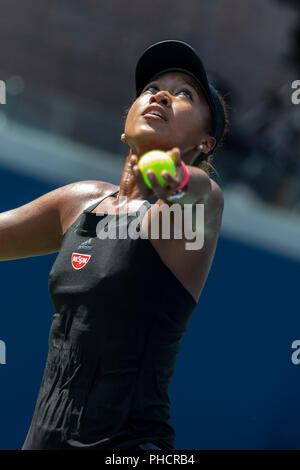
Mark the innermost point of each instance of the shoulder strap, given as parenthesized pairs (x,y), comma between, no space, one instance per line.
(147,203)
(90,208)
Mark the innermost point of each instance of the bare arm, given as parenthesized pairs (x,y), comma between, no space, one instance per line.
(32,229)
(36,228)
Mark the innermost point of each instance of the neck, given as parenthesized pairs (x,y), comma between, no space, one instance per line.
(128,186)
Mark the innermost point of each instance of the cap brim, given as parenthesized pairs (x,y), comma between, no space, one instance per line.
(171,55)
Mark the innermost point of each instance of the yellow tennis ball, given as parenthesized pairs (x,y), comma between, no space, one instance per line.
(157,161)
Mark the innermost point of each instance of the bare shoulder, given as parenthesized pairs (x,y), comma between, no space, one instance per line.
(216,198)
(80,192)
(77,196)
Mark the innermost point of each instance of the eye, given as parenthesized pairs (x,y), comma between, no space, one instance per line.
(187,92)
(151,88)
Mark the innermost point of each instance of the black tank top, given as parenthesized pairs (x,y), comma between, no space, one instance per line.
(120,315)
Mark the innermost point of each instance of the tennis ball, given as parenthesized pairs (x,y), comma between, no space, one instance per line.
(157,161)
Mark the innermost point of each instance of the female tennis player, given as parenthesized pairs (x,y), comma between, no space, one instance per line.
(122,305)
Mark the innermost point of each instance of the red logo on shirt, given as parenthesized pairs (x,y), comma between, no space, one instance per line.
(79,260)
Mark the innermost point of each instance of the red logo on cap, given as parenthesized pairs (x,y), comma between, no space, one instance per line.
(79,260)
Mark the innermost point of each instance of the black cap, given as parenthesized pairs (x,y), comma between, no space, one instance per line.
(173,55)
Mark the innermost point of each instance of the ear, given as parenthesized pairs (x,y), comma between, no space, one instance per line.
(208,144)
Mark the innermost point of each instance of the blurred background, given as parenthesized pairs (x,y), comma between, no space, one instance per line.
(69,74)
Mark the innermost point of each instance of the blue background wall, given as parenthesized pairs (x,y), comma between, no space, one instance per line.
(234,387)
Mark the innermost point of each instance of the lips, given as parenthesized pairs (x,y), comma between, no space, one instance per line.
(155,112)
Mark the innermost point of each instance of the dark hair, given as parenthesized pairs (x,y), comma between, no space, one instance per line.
(202,161)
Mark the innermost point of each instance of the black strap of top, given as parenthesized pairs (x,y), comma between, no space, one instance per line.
(92,207)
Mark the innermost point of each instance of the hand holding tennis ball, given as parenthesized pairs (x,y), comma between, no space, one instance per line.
(157,161)
(157,172)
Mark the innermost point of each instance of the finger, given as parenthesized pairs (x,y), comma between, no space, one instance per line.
(173,181)
(174,153)
(143,188)
(133,160)
(156,186)
(160,191)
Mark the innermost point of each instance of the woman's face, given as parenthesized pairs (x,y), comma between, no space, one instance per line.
(184,111)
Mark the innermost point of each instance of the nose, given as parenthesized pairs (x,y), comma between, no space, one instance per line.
(161,97)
